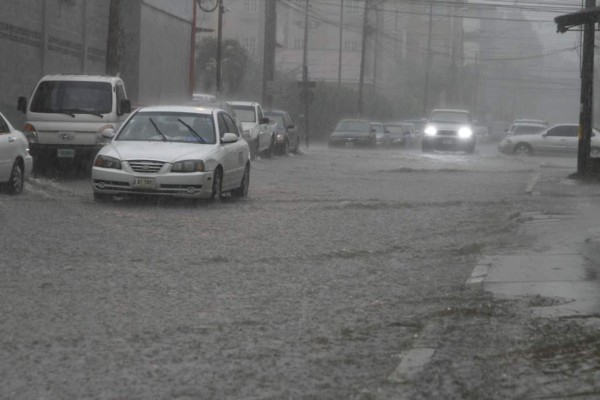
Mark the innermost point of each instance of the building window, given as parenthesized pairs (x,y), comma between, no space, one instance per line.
(249,43)
(298,43)
(250,6)
(354,7)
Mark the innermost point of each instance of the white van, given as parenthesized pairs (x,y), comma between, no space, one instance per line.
(67,114)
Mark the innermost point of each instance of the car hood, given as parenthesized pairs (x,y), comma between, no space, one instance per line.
(159,151)
(448,125)
(350,134)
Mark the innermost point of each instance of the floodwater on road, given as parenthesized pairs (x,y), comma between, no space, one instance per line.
(338,262)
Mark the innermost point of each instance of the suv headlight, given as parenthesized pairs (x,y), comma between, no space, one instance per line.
(430,130)
(188,166)
(465,132)
(107,162)
(30,133)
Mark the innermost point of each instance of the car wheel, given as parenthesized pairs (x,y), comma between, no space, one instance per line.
(242,191)
(286,149)
(217,187)
(270,150)
(425,148)
(297,147)
(523,149)
(15,183)
(102,197)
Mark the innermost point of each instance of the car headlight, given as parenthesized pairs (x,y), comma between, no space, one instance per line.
(107,162)
(30,133)
(188,166)
(431,130)
(465,132)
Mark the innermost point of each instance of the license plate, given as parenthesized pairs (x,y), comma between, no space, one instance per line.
(447,141)
(65,153)
(144,183)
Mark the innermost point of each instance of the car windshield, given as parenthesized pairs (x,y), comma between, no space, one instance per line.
(245,113)
(169,127)
(352,126)
(449,117)
(278,118)
(73,97)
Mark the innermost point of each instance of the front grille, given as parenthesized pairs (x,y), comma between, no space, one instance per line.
(146,166)
(171,186)
(447,133)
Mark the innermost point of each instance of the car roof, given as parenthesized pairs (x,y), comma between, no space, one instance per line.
(536,124)
(274,112)
(451,110)
(76,77)
(243,103)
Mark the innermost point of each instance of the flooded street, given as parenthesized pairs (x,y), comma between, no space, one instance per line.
(338,263)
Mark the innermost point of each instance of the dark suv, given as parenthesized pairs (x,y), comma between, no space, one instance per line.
(449,130)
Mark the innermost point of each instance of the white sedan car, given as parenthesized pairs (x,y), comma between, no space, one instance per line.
(194,152)
(15,161)
(559,139)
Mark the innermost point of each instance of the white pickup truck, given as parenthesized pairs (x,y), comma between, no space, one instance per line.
(259,131)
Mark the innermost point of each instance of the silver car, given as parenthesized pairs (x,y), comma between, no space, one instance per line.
(15,161)
(191,152)
(559,139)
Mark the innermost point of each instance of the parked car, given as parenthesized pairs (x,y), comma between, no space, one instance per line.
(258,129)
(449,130)
(559,139)
(287,137)
(419,124)
(400,133)
(173,151)
(352,132)
(381,137)
(526,128)
(529,121)
(15,161)
(67,114)
(222,104)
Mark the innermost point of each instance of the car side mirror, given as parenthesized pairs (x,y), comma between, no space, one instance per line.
(22,104)
(125,106)
(265,120)
(229,138)
(291,126)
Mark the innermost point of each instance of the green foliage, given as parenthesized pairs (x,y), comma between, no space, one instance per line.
(234,62)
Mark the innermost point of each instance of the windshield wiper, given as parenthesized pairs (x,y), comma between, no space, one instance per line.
(74,111)
(196,134)
(164,138)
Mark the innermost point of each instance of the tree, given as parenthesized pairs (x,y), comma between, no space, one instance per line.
(234,64)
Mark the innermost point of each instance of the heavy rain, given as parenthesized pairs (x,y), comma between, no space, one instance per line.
(299,199)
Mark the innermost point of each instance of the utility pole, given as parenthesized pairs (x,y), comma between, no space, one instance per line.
(113,56)
(340,46)
(269,52)
(192,83)
(365,32)
(376,51)
(587,96)
(219,44)
(428,66)
(305,90)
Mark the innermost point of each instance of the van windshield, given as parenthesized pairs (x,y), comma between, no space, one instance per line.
(73,97)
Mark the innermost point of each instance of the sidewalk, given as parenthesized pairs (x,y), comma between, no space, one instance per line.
(562,267)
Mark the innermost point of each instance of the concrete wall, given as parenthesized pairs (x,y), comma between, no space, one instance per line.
(39,37)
